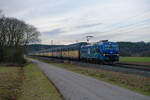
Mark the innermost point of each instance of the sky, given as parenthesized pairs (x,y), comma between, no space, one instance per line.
(70,21)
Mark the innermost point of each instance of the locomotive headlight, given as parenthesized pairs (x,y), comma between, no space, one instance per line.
(117,54)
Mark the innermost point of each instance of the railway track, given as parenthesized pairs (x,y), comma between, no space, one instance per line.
(119,67)
(133,66)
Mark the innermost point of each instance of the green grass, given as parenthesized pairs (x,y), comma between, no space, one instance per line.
(133,82)
(36,86)
(27,83)
(135,59)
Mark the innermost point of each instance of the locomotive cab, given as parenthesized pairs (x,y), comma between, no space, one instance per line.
(110,51)
(103,52)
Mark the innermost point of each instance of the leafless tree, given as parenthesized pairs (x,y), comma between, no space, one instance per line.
(16,33)
(2,35)
(32,35)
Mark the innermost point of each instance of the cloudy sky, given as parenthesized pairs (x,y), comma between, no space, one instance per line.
(70,21)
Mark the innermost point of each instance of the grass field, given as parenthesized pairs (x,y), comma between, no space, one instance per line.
(36,86)
(135,59)
(10,82)
(28,83)
(133,82)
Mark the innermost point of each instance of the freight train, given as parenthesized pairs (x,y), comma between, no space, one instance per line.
(103,52)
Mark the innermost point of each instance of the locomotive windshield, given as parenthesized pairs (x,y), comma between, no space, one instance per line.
(111,47)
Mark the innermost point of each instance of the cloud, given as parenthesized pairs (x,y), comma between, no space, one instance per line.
(74,19)
(88,25)
(53,32)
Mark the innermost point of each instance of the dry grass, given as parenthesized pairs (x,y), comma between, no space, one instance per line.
(10,82)
(27,83)
(36,86)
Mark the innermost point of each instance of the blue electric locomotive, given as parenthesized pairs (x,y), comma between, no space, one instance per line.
(104,51)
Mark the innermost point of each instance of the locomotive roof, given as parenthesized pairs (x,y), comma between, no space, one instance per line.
(71,46)
(97,43)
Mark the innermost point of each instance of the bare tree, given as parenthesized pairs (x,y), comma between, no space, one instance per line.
(16,33)
(32,35)
(2,35)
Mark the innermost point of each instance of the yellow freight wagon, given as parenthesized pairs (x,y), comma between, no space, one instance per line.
(41,54)
(54,54)
(50,54)
(65,54)
(74,54)
(46,53)
(59,54)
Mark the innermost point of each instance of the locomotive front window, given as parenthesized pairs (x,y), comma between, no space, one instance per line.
(108,47)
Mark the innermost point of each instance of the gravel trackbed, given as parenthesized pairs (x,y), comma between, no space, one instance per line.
(74,86)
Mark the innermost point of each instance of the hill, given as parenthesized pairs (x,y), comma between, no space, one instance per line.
(37,47)
(134,49)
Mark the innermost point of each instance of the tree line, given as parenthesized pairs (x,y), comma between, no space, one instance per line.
(15,35)
(134,49)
